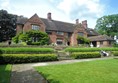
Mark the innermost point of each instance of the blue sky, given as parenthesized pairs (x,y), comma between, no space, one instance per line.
(63,10)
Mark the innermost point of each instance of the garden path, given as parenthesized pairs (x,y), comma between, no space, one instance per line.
(25,73)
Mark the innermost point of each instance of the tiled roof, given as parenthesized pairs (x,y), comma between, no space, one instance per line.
(100,38)
(53,25)
(91,32)
(58,25)
(21,20)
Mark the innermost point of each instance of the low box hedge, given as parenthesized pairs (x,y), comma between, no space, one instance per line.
(22,50)
(89,49)
(115,53)
(83,55)
(27,58)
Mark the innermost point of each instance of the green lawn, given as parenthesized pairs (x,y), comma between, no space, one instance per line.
(99,71)
(5,71)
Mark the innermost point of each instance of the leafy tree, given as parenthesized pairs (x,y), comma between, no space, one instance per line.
(37,37)
(108,25)
(32,37)
(7,25)
(83,40)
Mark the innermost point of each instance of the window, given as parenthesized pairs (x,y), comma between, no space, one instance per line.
(59,41)
(60,33)
(35,27)
(80,33)
(69,34)
(101,42)
(35,39)
(49,32)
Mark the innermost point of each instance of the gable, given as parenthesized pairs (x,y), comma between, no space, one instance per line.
(35,20)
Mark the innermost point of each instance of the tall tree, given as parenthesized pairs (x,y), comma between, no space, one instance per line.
(108,25)
(7,25)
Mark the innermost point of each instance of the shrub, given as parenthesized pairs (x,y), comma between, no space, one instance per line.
(115,53)
(82,55)
(27,58)
(11,50)
(83,40)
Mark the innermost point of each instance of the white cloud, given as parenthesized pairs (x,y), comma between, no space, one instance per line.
(82,9)
(63,10)
(4,4)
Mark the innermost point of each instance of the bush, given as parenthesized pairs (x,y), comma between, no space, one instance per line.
(89,49)
(31,50)
(27,58)
(82,55)
(115,53)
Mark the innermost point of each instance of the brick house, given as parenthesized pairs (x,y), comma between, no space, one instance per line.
(60,33)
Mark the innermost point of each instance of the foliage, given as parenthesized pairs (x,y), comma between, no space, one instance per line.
(40,37)
(33,37)
(15,39)
(108,25)
(115,53)
(115,45)
(83,40)
(89,49)
(99,71)
(27,58)
(83,55)
(31,50)
(5,73)
(7,25)
(23,37)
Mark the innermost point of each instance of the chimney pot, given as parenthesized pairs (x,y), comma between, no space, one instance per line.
(77,21)
(84,23)
(49,16)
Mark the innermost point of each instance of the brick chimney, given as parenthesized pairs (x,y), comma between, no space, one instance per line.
(77,21)
(49,16)
(84,23)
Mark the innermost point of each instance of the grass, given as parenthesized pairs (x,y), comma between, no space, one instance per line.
(99,71)
(5,71)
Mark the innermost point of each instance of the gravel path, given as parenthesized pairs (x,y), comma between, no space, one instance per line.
(24,73)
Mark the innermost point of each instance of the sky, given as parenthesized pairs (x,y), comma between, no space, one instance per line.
(62,10)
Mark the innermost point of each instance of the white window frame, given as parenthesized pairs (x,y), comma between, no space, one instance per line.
(59,40)
(35,27)
(80,33)
(60,33)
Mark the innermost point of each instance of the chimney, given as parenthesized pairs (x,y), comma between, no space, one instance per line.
(77,21)
(84,23)
(49,16)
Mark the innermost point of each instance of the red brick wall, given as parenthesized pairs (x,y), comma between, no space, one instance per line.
(19,29)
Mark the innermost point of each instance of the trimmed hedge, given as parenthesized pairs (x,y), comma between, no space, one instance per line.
(115,53)
(20,50)
(83,55)
(27,58)
(89,49)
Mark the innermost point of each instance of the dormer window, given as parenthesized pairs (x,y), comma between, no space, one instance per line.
(60,33)
(80,33)
(35,27)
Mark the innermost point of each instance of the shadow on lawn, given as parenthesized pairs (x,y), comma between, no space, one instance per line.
(4,74)
(49,80)
(2,61)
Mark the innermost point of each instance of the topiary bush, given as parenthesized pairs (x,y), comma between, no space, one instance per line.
(26,58)
(83,55)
